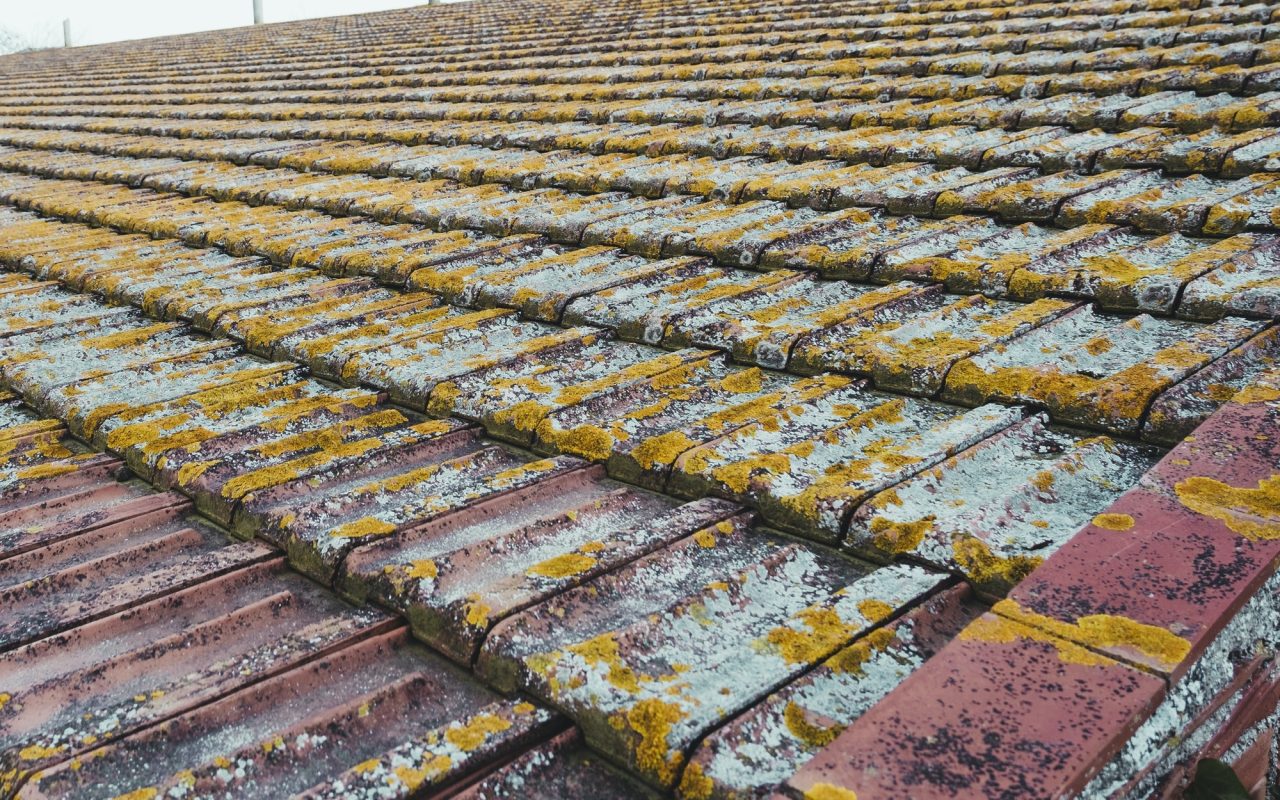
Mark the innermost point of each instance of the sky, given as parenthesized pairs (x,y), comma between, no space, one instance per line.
(98,21)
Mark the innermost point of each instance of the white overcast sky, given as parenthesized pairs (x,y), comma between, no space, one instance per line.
(98,21)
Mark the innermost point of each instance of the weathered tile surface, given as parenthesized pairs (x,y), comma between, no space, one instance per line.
(457,577)
(765,745)
(1004,710)
(115,675)
(391,716)
(996,510)
(1094,369)
(647,657)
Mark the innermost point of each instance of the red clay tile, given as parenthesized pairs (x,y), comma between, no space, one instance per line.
(995,511)
(808,465)
(320,518)
(1165,571)
(649,657)
(459,576)
(111,566)
(380,714)
(110,677)
(1179,410)
(1004,711)
(559,768)
(766,744)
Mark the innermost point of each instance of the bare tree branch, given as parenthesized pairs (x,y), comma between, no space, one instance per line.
(14,41)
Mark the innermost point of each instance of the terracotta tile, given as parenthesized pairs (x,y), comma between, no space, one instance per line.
(320,518)
(647,658)
(513,397)
(121,673)
(911,345)
(114,563)
(560,767)
(806,466)
(1248,284)
(1178,411)
(766,744)
(1002,711)
(457,577)
(996,510)
(761,326)
(1174,560)
(218,472)
(643,310)
(409,363)
(650,424)
(1093,369)
(339,720)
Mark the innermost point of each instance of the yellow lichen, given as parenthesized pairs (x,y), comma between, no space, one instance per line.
(603,650)
(999,630)
(737,477)
(37,752)
(705,538)
(413,779)
(852,658)
(829,791)
(797,722)
(45,471)
(746,381)
(661,450)
(189,472)
(477,613)
(365,526)
(1106,631)
(1257,393)
(565,565)
(1113,522)
(891,536)
(653,720)
(985,567)
(424,568)
(523,416)
(875,610)
(694,783)
(145,793)
(586,441)
(470,736)
(1252,513)
(826,631)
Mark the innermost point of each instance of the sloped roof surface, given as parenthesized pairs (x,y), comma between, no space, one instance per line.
(714,399)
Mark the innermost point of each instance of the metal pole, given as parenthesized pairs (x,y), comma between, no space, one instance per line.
(257,12)
(66,33)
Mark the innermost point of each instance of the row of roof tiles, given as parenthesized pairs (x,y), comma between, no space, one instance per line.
(1047,147)
(1108,23)
(964,253)
(1219,57)
(592,595)
(1143,198)
(754,317)
(838,51)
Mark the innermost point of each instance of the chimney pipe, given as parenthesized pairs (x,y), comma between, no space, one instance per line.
(257,12)
(66,32)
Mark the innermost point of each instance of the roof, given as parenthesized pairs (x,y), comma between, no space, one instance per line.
(840,400)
